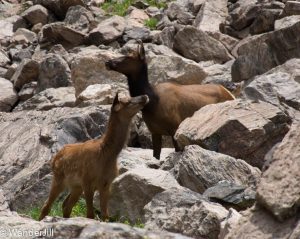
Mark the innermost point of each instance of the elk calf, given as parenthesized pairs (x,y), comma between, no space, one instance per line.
(169,103)
(92,165)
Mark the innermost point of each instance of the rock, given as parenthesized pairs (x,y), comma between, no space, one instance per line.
(4,207)
(88,68)
(136,17)
(101,93)
(217,73)
(36,14)
(231,195)
(176,11)
(59,33)
(228,41)
(6,30)
(272,49)
(255,127)
(257,223)
(279,86)
(265,21)
(54,72)
(162,68)
(211,15)
(197,45)
(59,7)
(291,8)
(27,91)
(37,28)
(107,31)
(23,36)
(26,72)
(50,98)
(8,96)
(18,54)
(244,13)
(133,33)
(81,228)
(286,22)
(30,138)
(154,12)
(4,60)
(279,189)
(199,169)
(17,21)
(132,190)
(175,210)
(165,37)
(79,18)
(230,221)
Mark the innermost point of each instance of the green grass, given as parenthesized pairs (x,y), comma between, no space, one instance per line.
(151,23)
(115,7)
(79,210)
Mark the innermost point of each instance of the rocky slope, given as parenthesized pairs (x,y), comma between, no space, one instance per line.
(237,176)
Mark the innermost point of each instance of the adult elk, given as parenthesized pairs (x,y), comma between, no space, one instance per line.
(169,103)
(92,165)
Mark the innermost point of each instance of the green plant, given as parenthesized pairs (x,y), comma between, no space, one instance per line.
(79,210)
(151,23)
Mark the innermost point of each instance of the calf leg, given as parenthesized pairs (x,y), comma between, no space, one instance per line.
(70,201)
(56,189)
(89,194)
(156,141)
(104,196)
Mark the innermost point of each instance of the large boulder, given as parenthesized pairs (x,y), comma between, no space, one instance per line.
(50,98)
(88,68)
(59,7)
(54,72)
(197,45)
(4,60)
(26,72)
(61,33)
(36,14)
(107,31)
(259,224)
(279,188)
(279,86)
(175,210)
(286,22)
(271,49)
(162,68)
(199,169)
(30,138)
(132,190)
(8,96)
(242,129)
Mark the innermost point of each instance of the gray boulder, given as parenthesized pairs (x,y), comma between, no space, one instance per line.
(8,96)
(27,91)
(272,49)
(54,72)
(286,22)
(132,190)
(49,98)
(26,72)
(36,14)
(196,45)
(107,31)
(184,211)
(241,129)
(279,188)
(199,169)
(4,60)
(279,86)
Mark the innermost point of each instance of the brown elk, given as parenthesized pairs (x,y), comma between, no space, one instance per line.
(92,166)
(169,103)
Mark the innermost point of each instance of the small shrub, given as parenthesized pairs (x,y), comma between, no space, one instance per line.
(151,23)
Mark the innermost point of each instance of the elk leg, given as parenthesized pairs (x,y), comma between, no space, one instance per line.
(89,194)
(70,201)
(177,149)
(56,189)
(104,196)
(156,141)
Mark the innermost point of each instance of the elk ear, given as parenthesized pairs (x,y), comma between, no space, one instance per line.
(141,50)
(116,103)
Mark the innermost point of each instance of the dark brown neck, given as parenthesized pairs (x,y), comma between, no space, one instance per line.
(116,135)
(139,85)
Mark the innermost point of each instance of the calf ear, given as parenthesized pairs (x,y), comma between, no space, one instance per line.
(116,99)
(116,106)
(141,50)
